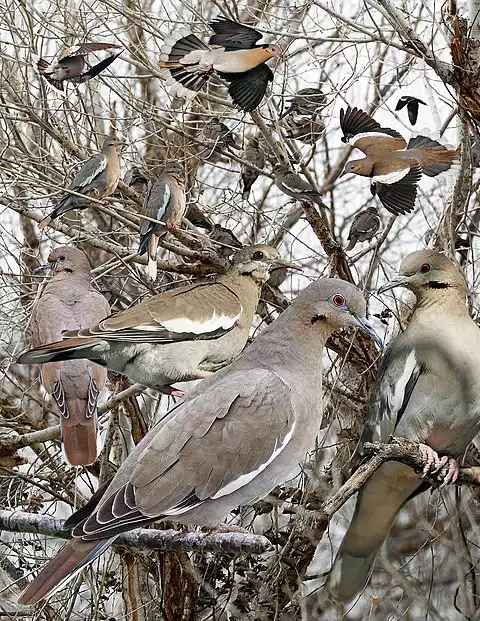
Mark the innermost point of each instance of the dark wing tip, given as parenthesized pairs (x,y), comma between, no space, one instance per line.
(248,89)
(399,198)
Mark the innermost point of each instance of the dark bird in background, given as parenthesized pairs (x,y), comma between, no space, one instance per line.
(71,65)
(218,134)
(137,178)
(304,128)
(365,225)
(188,62)
(306,102)
(196,216)
(294,186)
(412,104)
(97,178)
(255,155)
(302,119)
(234,438)
(164,201)
(179,335)
(394,167)
(69,302)
(227,243)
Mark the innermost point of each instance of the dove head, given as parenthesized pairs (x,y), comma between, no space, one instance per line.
(331,304)
(427,273)
(259,261)
(113,143)
(68,259)
(363,167)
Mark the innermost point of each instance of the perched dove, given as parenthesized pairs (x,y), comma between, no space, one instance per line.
(165,201)
(306,102)
(69,302)
(256,156)
(428,391)
(188,62)
(294,186)
(137,178)
(234,438)
(179,335)
(365,225)
(97,178)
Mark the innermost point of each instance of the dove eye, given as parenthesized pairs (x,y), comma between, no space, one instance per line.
(338,300)
(62,257)
(424,268)
(258,255)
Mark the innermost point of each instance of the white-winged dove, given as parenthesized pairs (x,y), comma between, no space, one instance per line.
(69,302)
(226,240)
(307,129)
(188,63)
(196,216)
(255,155)
(234,438)
(97,178)
(70,66)
(294,186)
(428,391)
(179,335)
(218,134)
(306,102)
(365,225)
(412,104)
(165,201)
(394,167)
(137,178)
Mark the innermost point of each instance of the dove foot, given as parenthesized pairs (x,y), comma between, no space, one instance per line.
(433,463)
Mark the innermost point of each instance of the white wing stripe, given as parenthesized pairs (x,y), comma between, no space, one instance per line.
(396,394)
(392,177)
(97,171)
(244,479)
(184,324)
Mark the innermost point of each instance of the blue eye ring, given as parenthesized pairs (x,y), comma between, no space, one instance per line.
(338,301)
(425,268)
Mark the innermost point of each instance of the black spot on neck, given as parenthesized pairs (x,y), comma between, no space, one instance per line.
(433,284)
(317,318)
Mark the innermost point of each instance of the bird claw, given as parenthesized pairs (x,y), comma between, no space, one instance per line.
(171,391)
(433,464)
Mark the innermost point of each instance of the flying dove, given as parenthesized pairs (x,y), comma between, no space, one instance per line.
(393,166)
(188,62)
(70,66)
(412,104)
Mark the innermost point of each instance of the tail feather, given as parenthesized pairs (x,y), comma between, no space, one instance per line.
(184,79)
(434,157)
(71,559)
(351,244)
(80,441)
(378,504)
(70,349)
(152,257)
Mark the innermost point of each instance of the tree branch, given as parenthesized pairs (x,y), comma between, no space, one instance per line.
(150,539)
